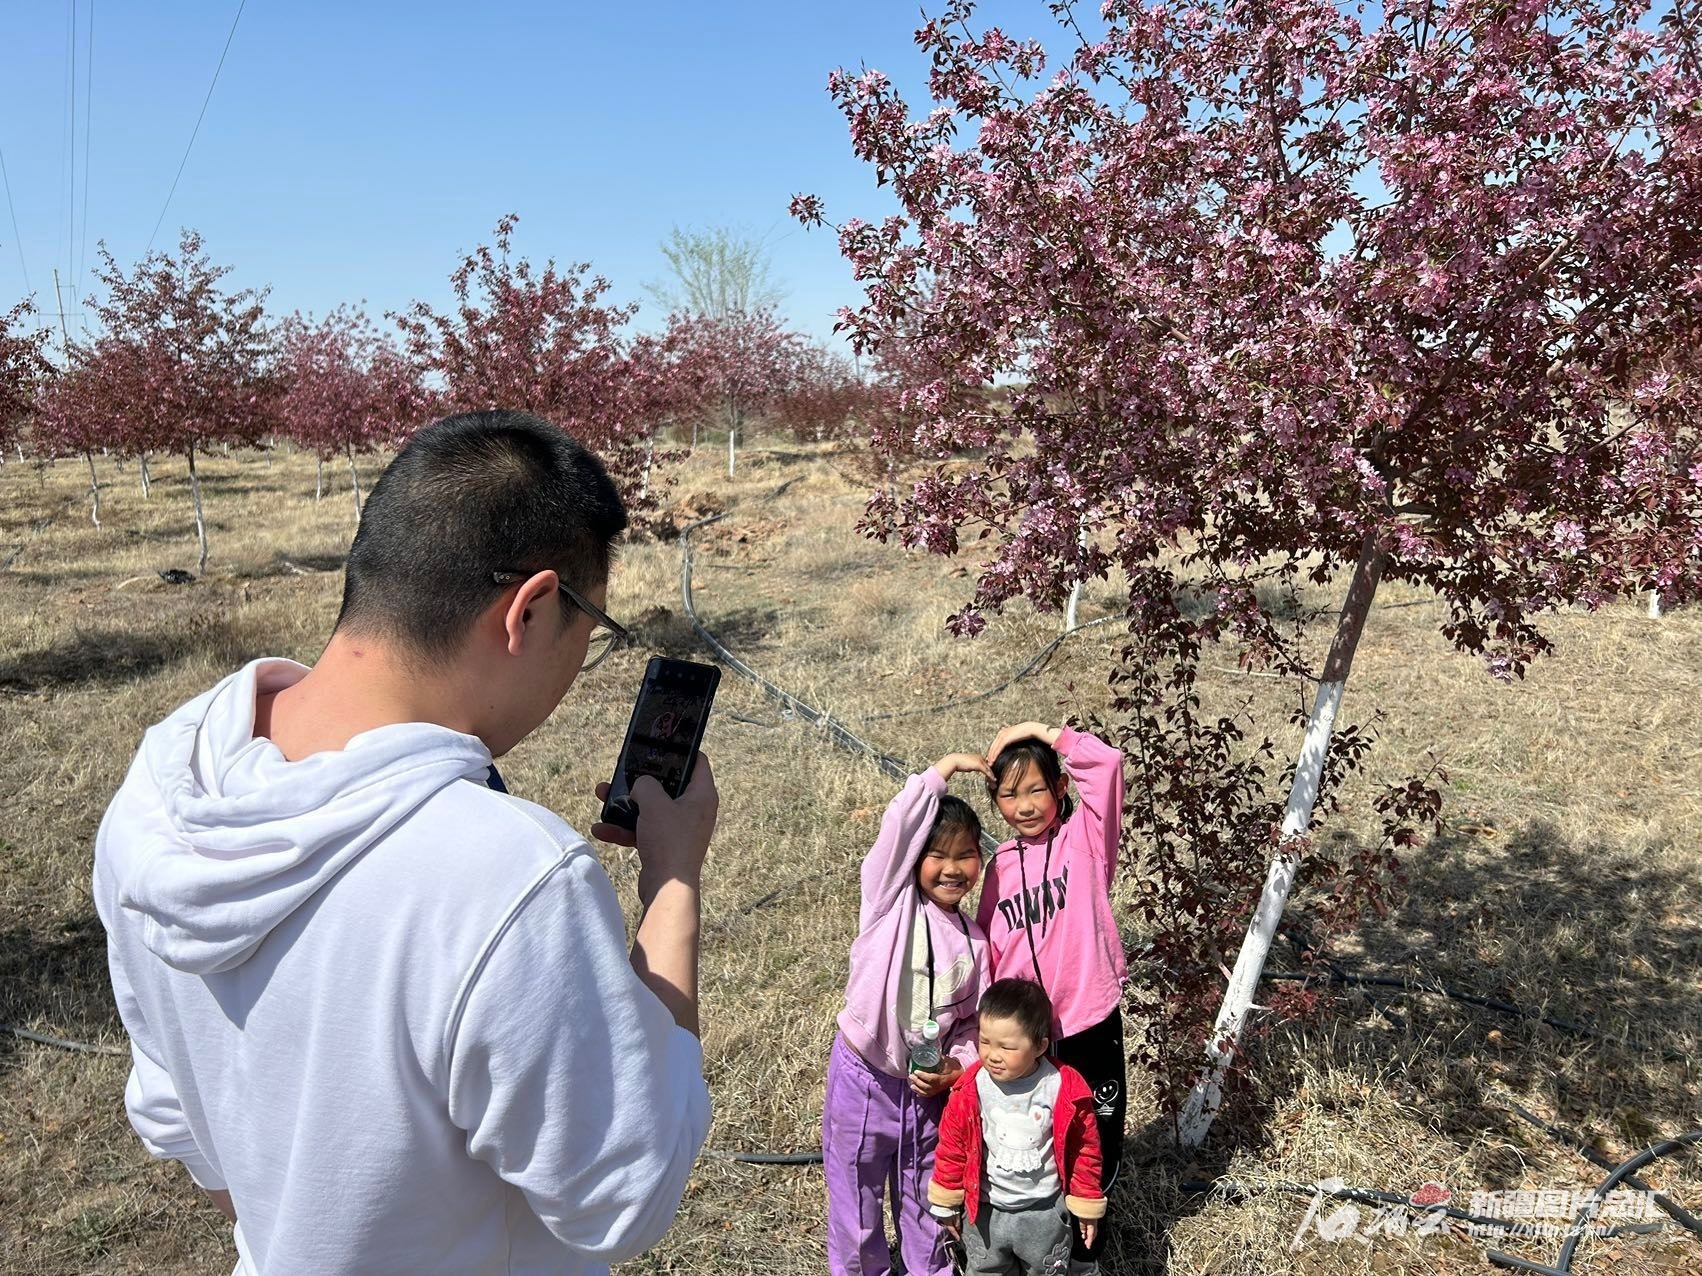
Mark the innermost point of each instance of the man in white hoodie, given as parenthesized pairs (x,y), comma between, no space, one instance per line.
(383,1011)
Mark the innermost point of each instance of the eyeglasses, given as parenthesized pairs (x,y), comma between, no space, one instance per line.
(608,633)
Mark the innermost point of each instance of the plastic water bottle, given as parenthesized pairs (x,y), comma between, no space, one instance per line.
(925,1053)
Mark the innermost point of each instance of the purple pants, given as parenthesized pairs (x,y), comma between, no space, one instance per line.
(877,1136)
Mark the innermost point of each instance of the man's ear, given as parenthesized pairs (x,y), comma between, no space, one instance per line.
(521,614)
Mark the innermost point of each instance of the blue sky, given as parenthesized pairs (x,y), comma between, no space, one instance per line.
(353,151)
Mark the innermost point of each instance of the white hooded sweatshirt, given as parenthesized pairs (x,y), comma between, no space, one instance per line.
(388,1007)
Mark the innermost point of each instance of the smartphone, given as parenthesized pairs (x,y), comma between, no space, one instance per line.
(664,734)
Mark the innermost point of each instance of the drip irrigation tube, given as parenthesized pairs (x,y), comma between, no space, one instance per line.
(767,1158)
(1683,1217)
(1410,983)
(42,1038)
(1037,662)
(1563,1264)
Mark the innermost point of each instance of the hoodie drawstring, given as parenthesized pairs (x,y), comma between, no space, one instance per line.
(1028,917)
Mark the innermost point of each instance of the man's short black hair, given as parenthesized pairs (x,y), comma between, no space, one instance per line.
(1022,1000)
(469,496)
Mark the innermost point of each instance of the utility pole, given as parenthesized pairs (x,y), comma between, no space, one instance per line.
(65,350)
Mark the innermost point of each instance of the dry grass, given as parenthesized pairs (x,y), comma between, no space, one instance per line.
(1567,875)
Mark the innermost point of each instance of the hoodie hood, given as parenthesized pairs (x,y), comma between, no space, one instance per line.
(234,838)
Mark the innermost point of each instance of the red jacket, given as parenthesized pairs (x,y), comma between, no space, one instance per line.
(960,1158)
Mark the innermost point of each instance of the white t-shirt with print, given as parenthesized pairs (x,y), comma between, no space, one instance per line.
(1016,1126)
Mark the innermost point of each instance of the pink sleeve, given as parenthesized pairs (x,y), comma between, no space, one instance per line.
(965,1044)
(891,861)
(1097,770)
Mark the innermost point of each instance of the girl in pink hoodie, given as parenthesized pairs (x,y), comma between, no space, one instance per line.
(916,958)
(1046,908)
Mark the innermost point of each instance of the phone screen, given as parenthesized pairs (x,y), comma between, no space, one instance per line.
(663,737)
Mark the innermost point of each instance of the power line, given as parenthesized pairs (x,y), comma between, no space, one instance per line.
(197,130)
(88,120)
(67,143)
(71,150)
(16,238)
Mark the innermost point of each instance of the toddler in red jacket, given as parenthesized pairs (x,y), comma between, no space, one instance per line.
(1019,1145)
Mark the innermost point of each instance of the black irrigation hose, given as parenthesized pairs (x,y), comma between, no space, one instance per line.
(1563,1264)
(767,1158)
(1411,983)
(1037,662)
(1376,1196)
(1683,1217)
(42,1038)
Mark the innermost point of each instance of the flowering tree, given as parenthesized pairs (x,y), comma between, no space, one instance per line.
(346,389)
(543,341)
(23,368)
(744,362)
(69,422)
(1293,295)
(179,364)
(827,397)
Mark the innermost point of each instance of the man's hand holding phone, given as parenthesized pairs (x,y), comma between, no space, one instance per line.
(673,834)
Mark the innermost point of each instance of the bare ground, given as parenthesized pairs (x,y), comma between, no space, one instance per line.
(1567,875)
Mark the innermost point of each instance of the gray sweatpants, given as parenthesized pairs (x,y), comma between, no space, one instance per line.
(1030,1242)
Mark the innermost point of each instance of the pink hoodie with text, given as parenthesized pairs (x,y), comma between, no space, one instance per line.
(886,997)
(1055,893)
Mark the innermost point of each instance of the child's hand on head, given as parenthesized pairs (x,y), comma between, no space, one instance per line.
(952,763)
(1019,731)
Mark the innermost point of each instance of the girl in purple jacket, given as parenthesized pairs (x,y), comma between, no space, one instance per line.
(1046,908)
(916,958)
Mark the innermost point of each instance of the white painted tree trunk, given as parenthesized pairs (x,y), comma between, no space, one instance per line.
(1206,1098)
(1656,610)
(318,479)
(1075,589)
(732,444)
(94,489)
(649,458)
(354,475)
(144,477)
(200,517)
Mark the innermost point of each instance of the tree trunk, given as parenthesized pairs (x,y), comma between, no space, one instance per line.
(1656,610)
(354,476)
(649,458)
(693,437)
(200,518)
(94,489)
(732,445)
(145,478)
(318,478)
(1075,589)
(1206,1098)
